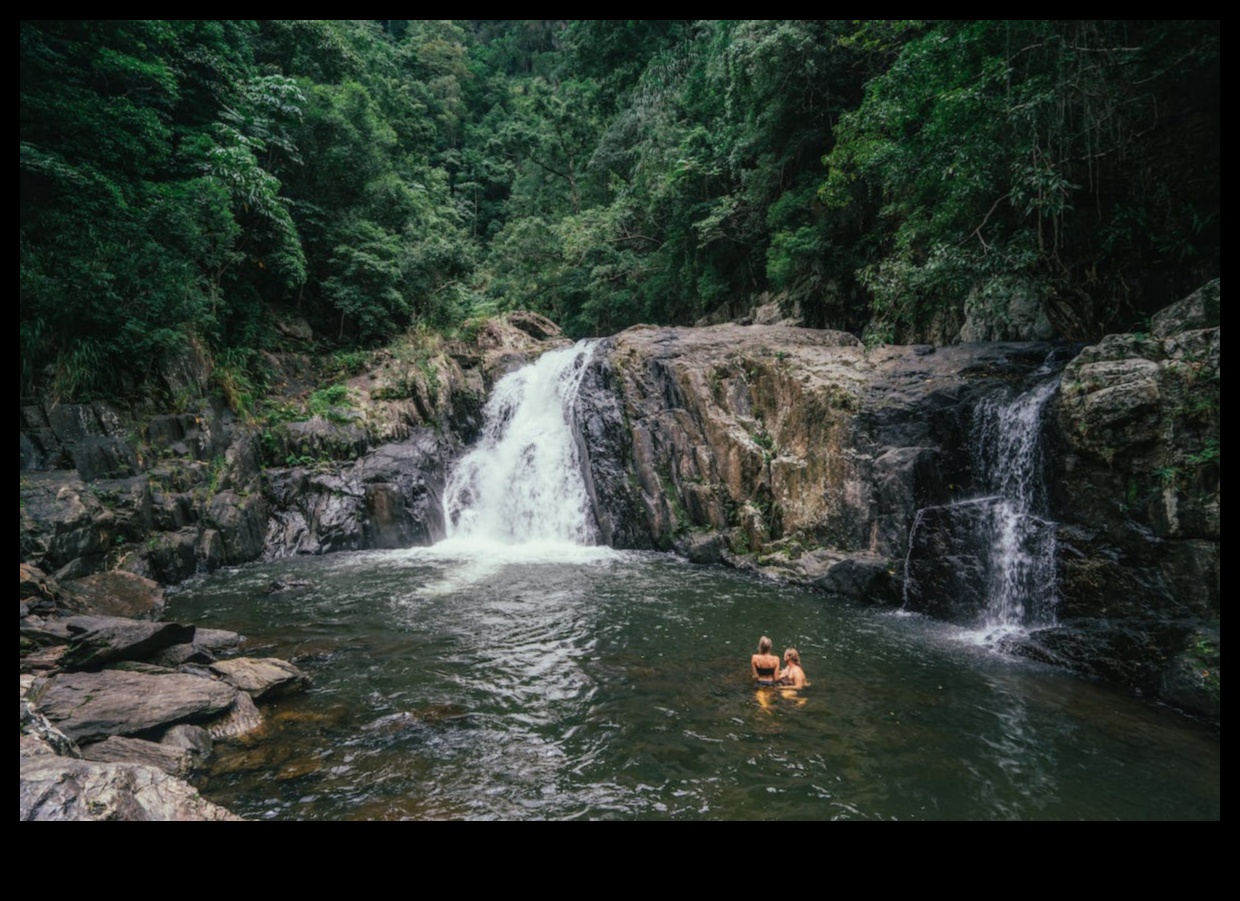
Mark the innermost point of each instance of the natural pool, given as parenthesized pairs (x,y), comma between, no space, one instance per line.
(475,681)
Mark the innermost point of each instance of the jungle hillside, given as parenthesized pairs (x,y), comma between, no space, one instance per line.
(225,186)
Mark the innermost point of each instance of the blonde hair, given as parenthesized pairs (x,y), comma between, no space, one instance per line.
(793,655)
(764,645)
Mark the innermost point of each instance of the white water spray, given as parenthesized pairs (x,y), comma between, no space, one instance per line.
(999,543)
(1021,589)
(522,484)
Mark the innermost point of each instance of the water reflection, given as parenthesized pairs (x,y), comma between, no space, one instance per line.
(618,687)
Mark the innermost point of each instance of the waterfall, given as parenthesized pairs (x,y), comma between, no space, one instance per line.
(990,559)
(523,481)
(1021,584)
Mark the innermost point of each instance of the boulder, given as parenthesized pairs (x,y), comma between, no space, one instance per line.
(195,741)
(241,521)
(180,655)
(115,749)
(64,789)
(242,718)
(96,640)
(1200,310)
(116,594)
(533,324)
(92,706)
(261,676)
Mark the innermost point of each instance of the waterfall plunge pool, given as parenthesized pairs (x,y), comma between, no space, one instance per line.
(478,681)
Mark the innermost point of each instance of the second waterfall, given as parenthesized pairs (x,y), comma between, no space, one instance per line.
(523,482)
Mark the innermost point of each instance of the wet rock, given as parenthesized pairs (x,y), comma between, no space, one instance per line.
(320,439)
(242,718)
(778,431)
(313,513)
(1127,653)
(63,525)
(859,577)
(92,706)
(1192,679)
(948,567)
(241,522)
(175,556)
(261,676)
(702,548)
(865,578)
(389,498)
(1138,495)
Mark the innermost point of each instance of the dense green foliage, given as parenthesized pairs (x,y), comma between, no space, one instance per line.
(1076,162)
(193,182)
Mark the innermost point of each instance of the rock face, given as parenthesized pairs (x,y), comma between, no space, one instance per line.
(783,439)
(1138,494)
(387,499)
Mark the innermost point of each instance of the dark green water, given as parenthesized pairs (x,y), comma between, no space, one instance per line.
(584,683)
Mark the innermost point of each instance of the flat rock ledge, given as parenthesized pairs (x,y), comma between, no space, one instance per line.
(261,677)
(92,706)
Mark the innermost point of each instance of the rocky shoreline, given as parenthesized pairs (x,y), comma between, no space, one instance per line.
(118,713)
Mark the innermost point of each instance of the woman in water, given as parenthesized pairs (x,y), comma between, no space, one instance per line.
(764,664)
(792,676)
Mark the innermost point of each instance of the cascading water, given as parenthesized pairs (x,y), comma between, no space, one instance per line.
(1021,584)
(991,559)
(1021,588)
(523,482)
